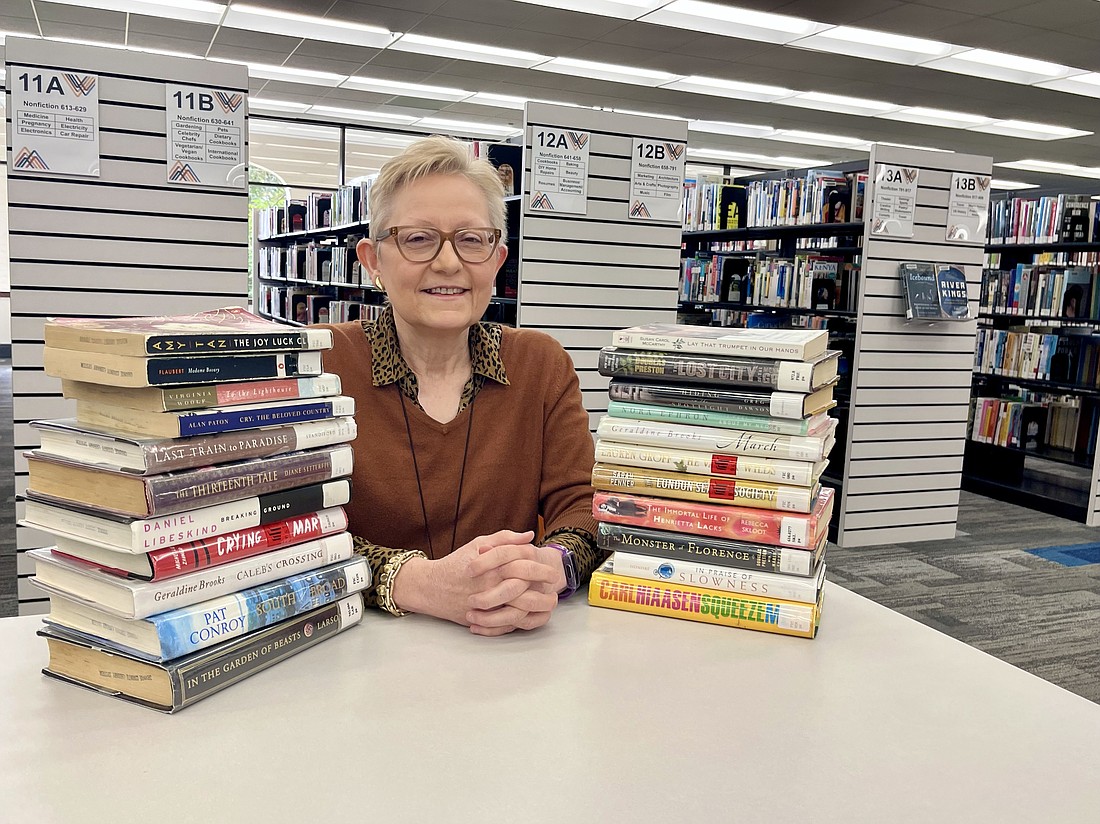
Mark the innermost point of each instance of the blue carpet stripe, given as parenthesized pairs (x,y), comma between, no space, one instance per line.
(1072,555)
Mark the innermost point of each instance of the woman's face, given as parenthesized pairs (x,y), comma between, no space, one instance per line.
(447,293)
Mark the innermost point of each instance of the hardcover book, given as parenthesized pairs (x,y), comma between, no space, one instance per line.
(781,344)
(705,605)
(922,299)
(763,373)
(179,632)
(174,561)
(793,405)
(144,535)
(710,439)
(216,331)
(201,396)
(128,370)
(173,685)
(140,599)
(816,424)
(737,523)
(213,420)
(114,449)
(670,459)
(125,493)
(718,551)
(724,579)
(683,486)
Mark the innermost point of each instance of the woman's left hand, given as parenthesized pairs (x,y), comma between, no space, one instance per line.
(525,598)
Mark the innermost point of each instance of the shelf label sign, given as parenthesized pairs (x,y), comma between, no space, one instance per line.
(206,130)
(895,200)
(968,208)
(54,121)
(559,171)
(656,180)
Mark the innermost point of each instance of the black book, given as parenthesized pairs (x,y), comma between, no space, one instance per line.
(766,373)
(742,401)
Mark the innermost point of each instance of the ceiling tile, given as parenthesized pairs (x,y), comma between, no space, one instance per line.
(919,20)
(417,67)
(404,16)
(498,13)
(840,14)
(79,16)
(176,29)
(1057,15)
(255,41)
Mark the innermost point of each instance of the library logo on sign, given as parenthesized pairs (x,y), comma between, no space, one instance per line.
(229,102)
(183,173)
(30,159)
(577,140)
(639,209)
(541,200)
(81,85)
(675,150)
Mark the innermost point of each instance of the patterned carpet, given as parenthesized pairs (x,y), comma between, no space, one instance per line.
(985,589)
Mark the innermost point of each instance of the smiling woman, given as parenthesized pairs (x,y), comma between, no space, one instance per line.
(473,435)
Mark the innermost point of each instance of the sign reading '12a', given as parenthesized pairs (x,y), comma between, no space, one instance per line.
(206,130)
(54,121)
(559,170)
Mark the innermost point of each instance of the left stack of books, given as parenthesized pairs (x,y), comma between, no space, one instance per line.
(708,475)
(195,503)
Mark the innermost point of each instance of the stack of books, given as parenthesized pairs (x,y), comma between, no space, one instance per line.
(707,475)
(195,503)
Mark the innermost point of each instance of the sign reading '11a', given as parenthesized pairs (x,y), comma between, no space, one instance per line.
(54,121)
(206,130)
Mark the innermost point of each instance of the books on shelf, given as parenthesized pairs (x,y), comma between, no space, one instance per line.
(1060,218)
(723,370)
(1055,292)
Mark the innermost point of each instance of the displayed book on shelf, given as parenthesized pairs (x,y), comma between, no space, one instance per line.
(781,344)
(934,292)
(176,684)
(770,373)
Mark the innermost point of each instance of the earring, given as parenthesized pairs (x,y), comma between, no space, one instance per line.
(378,284)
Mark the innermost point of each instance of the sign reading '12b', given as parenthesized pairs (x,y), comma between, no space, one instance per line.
(559,170)
(206,130)
(656,179)
(54,121)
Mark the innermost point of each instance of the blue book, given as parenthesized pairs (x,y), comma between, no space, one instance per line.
(179,632)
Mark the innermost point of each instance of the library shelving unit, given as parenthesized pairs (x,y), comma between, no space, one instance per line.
(1036,396)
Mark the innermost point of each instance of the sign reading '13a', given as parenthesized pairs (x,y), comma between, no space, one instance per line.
(206,130)
(54,121)
(559,170)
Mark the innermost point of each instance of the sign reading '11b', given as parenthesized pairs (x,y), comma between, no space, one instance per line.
(206,136)
(54,121)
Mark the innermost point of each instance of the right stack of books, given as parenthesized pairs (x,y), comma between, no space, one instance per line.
(708,475)
(195,503)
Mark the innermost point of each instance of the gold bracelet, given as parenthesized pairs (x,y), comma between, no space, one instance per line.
(388,575)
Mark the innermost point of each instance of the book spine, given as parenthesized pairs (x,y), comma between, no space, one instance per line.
(712,576)
(202,451)
(695,417)
(223,549)
(160,371)
(774,404)
(727,441)
(794,473)
(234,394)
(157,597)
(290,341)
(706,606)
(717,551)
(186,630)
(199,677)
(228,420)
(764,374)
(710,346)
(170,530)
(212,485)
(701,488)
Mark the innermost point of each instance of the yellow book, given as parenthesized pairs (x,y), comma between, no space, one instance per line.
(708,606)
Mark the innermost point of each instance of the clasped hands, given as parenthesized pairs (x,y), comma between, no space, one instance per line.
(494,584)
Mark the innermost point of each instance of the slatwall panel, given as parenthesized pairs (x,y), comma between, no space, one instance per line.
(125,243)
(583,276)
(911,381)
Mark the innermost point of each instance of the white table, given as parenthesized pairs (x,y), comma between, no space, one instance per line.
(602,716)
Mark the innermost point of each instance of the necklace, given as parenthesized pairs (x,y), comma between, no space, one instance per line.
(416,469)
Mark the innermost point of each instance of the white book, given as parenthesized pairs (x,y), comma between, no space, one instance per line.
(782,344)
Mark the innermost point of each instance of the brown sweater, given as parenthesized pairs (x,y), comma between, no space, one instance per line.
(530,450)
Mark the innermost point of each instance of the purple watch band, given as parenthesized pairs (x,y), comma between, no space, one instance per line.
(570,568)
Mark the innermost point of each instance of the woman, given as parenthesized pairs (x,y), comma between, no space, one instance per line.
(468,432)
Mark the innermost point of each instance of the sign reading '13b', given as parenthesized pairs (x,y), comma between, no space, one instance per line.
(559,170)
(206,130)
(54,121)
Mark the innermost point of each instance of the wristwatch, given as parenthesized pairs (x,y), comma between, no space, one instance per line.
(569,564)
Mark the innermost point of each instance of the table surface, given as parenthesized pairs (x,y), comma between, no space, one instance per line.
(600,716)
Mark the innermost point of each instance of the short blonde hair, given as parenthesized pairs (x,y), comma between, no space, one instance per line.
(436,155)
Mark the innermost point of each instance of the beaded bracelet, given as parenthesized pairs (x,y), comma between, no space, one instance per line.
(387,575)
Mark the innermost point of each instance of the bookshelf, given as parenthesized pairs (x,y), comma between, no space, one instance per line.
(1035,405)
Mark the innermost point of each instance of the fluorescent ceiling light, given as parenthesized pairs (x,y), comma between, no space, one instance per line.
(289,74)
(754,159)
(1052,167)
(693,169)
(738,129)
(625,9)
(325,133)
(289,24)
(838,103)
(911,146)
(999,66)
(291,160)
(477,52)
(1087,84)
(401,89)
(733,22)
(937,117)
(1029,131)
(193,11)
(276,105)
(729,88)
(362,114)
(605,71)
(501,101)
(648,114)
(821,139)
(165,52)
(466,126)
(1008,185)
(875,45)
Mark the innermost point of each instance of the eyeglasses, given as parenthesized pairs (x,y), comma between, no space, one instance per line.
(421,244)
